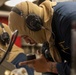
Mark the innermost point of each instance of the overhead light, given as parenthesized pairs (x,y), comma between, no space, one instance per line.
(12,3)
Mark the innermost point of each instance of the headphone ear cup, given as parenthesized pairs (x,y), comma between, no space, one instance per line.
(34,22)
(4,38)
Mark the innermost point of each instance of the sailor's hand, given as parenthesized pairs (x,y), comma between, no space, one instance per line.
(40,64)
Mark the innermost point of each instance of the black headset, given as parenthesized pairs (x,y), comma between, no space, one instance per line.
(4,37)
(9,48)
(33,21)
